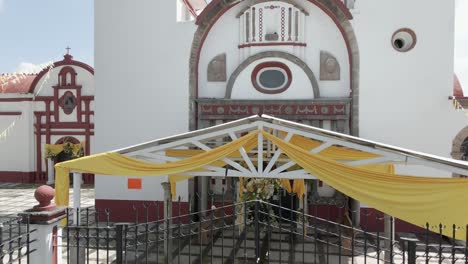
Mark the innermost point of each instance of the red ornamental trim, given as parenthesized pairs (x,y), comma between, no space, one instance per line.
(271,64)
(272,44)
(10,113)
(68,98)
(66,61)
(275,109)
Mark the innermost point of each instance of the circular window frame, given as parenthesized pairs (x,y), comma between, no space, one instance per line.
(261,67)
(395,37)
(62,102)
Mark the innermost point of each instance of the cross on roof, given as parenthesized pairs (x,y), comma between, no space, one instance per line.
(68,50)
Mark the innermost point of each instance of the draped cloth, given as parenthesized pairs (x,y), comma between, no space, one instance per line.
(416,200)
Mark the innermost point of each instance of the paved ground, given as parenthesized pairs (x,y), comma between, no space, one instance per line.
(16,197)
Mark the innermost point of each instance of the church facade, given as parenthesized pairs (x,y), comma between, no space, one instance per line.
(378,70)
(43,114)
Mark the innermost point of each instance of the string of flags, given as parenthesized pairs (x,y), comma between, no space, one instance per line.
(458,106)
(7,131)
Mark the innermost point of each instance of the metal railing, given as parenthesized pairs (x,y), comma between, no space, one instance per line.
(247,232)
(15,241)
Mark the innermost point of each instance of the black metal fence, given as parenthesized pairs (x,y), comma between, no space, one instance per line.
(248,232)
(16,244)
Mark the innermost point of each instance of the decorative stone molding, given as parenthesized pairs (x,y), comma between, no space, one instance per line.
(272,54)
(329,67)
(217,7)
(216,71)
(457,143)
(320,109)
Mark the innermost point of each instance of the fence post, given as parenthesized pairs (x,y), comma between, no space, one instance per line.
(411,248)
(167,215)
(411,252)
(119,242)
(43,228)
(257,233)
(389,233)
(1,242)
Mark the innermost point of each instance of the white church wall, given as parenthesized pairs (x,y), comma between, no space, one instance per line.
(16,149)
(403,95)
(141,60)
(321,33)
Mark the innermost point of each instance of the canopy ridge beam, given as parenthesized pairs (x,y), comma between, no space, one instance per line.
(244,154)
(237,174)
(322,147)
(260,150)
(183,142)
(369,161)
(295,175)
(228,161)
(435,165)
(292,163)
(338,142)
(277,154)
(159,158)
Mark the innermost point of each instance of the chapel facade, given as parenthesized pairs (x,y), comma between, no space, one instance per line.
(45,118)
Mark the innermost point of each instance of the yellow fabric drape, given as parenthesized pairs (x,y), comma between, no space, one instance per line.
(413,199)
(111,163)
(332,152)
(298,187)
(173,179)
(52,150)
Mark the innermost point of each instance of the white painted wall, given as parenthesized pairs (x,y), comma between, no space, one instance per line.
(403,96)
(16,149)
(141,65)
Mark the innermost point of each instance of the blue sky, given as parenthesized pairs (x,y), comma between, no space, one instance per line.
(38,31)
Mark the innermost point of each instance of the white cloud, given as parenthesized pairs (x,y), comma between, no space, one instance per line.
(1,5)
(29,68)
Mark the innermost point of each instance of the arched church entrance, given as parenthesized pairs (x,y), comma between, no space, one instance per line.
(273,76)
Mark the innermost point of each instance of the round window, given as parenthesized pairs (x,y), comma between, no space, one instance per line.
(404,40)
(271,77)
(68,102)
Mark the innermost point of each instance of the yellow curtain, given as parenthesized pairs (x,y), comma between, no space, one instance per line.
(413,199)
(111,163)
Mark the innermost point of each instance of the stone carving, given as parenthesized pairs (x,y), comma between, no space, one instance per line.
(271,36)
(217,69)
(227,110)
(329,67)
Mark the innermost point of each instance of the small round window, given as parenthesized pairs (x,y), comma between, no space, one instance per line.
(68,102)
(404,40)
(271,77)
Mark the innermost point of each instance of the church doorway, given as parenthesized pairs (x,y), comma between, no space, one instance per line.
(68,152)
